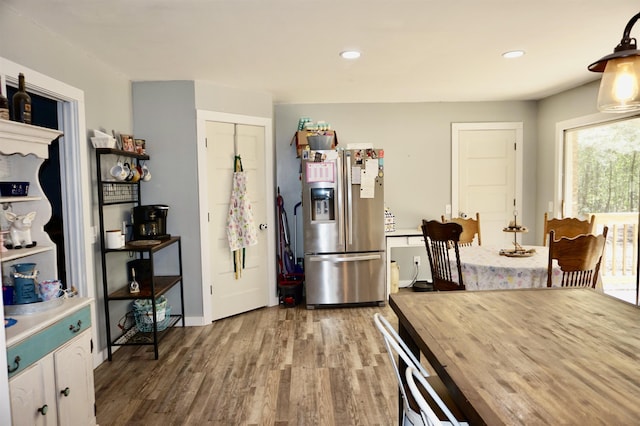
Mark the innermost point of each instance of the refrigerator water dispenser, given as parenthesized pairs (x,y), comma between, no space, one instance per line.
(322,203)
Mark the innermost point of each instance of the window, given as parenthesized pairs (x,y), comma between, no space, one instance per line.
(602,177)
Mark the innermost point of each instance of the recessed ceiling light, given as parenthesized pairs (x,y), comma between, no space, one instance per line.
(350,54)
(513,54)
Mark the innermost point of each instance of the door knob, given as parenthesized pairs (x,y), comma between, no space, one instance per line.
(263,226)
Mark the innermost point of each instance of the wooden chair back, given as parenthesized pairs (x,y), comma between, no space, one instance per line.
(439,238)
(470,228)
(568,227)
(579,258)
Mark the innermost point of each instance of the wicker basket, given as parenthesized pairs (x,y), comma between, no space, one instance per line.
(143,314)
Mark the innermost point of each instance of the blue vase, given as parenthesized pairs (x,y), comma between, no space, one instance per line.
(24,283)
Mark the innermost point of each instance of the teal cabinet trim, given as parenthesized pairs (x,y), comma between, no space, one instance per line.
(29,351)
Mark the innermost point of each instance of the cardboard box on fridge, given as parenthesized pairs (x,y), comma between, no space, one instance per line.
(300,139)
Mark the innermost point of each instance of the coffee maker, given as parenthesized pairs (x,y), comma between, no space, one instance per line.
(150,222)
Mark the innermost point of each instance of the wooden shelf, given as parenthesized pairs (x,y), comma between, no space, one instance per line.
(163,283)
(151,286)
(146,248)
(122,153)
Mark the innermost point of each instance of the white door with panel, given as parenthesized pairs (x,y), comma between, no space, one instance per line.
(487,176)
(236,292)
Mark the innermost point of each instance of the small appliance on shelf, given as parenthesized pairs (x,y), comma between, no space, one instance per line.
(150,222)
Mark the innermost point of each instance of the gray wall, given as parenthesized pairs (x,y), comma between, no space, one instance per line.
(165,116)
(416,138)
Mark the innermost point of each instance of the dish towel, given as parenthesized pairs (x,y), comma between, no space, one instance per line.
(241,228)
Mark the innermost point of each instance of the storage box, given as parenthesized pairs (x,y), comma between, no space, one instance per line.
(301,141)
(14,189)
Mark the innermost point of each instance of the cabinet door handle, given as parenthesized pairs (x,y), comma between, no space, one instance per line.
(75,329)
(66,391)
(16,362)
(43,410)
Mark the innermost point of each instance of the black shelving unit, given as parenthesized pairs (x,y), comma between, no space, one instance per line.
(128,193)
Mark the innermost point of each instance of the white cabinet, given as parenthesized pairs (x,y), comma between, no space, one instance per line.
(73,367)
(51,369)
(58,389)
(49,356)
(32,395)
(23,149)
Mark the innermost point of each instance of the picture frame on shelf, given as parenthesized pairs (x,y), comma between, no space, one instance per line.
(140,146)
(128,143)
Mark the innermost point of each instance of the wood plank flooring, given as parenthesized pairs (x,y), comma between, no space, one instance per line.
(273,366)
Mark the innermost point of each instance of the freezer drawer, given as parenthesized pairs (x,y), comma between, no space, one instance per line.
(344,278)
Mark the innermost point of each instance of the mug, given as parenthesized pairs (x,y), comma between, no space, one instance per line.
(115,239)
(136,174)
(127,168)
(118,171)
(50,289)
(146,173)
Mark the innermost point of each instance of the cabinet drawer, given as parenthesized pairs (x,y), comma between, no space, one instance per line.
(25,353)
(415,241)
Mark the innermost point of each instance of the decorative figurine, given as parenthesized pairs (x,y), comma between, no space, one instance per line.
(20,229)
(134,287)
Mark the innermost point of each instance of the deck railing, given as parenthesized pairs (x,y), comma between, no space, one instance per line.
(619,264)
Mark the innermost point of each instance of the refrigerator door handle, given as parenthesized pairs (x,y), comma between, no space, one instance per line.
(348,206)
(373,256)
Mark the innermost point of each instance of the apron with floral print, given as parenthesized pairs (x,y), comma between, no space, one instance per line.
(241,229)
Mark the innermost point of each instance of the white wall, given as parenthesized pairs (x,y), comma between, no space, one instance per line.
(213,97)
(107,92)
(574,103)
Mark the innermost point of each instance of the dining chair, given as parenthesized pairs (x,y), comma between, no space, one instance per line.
(396,347)
(439,238)
(579,258)
(567,227)
(429,417)
(470,229)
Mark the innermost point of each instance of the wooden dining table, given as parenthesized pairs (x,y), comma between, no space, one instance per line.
(567,356)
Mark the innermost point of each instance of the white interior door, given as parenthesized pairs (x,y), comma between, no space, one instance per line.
(487,176)
(250,290)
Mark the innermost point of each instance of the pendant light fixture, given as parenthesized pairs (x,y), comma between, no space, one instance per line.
(620,84)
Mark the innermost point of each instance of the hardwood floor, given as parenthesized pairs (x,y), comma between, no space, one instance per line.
(273,366)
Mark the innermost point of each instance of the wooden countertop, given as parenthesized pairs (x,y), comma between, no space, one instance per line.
(532,356)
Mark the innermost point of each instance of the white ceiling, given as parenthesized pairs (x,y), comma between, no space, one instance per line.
(412,50)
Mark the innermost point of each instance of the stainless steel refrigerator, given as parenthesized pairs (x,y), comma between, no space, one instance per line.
(343,222)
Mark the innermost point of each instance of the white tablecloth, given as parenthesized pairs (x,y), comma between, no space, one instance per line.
(483,268)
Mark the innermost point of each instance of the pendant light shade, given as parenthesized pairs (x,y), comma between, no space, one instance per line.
(620,84)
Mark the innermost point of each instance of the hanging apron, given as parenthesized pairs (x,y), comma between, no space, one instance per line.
(241,229)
